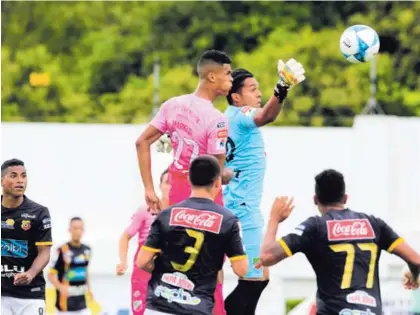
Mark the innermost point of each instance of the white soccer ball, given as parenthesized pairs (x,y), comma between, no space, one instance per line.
(359,43)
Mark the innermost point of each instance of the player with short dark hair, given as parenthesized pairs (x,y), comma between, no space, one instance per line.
(187,244)
(246,157)
(343,247)
(195,128)
(25,244)
(69,272)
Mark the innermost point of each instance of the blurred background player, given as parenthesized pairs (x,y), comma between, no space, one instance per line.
(343,247)
(25,244)
(195,128)
(140,225)
(246,156)
(187,244)
(69,272)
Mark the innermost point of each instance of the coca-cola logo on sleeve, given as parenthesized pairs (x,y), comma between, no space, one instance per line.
(355,229)
(196,219)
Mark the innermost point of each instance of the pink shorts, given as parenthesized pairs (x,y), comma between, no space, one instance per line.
(181,189)
(139,282)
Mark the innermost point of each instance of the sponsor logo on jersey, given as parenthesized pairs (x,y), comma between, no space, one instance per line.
(79,259)
(77,290)
(361,297)
(9,271)
(348,311)
(46,220)
(14,248)
(354,229)
(196,219)
(176,295)
(28,216)
(26,225)
(222,134)
(221,125)
(178,280)
(222,144)
(299,230)
(8,224)
(76,274)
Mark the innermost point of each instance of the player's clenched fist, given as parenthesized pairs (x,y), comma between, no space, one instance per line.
(281,208)
(153,202)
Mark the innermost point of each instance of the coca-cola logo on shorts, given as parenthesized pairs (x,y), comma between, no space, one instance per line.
(196,219)
(356,229)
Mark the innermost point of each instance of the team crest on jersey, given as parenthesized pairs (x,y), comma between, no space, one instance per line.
(196,219)
(347,230)
(247,111)
(26,225)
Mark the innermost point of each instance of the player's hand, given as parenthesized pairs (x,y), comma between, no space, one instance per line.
(164,144)
(227,175)
(23,278)
(121,268)
(153,202)
(281,208)
(64,290)
(291,74)
(409,282)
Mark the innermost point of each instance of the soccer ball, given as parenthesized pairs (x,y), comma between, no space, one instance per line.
(359,43)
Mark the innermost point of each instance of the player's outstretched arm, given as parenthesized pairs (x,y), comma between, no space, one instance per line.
(291,74)
(412,258)
(122,252)
(143,144)
(271,251)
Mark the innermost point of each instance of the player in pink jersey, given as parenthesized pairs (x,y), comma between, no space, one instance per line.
(195,128)
(140,225)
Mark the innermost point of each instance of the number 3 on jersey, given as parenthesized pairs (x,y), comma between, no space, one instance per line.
(193,251)
(180,146)
(349,249)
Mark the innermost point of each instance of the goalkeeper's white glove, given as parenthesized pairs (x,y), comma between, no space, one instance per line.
(291,74)
(164,144)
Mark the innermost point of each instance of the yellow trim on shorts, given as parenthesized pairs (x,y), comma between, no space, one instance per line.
(397,242)
(53,271)
(43,243)
(236,258)
(285,247)
(151,249)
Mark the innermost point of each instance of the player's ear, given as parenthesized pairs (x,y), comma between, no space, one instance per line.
(211,76)
(315,200)
(236,98)
(345,198)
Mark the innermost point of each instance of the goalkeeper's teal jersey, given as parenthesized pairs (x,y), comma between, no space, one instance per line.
(246,156)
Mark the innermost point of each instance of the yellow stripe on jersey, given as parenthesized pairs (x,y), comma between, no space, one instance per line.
(236,258)
(397,242)
(286,248)
(151,249)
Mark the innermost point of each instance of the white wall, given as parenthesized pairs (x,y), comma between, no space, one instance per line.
(91,171)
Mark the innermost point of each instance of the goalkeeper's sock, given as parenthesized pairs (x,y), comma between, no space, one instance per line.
(244,298)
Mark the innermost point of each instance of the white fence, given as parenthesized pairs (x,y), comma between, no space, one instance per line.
(91,171)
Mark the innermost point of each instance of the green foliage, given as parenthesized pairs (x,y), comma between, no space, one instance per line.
(99,56)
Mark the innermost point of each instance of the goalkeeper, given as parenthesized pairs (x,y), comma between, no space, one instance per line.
(246,156)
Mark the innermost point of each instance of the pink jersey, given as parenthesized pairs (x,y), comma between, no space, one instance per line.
(140,225)
(195,126)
